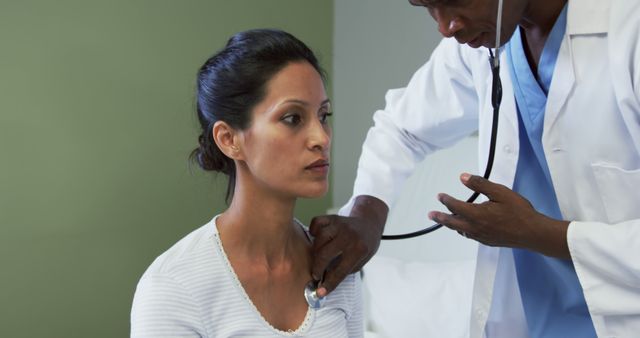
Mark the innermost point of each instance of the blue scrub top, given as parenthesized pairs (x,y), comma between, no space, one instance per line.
(552,297)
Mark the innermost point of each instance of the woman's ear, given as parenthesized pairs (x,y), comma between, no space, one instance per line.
(227,140)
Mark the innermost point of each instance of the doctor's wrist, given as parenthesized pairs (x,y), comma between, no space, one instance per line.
(551,238)
(372,210)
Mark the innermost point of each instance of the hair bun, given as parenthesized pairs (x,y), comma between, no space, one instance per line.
(209,157)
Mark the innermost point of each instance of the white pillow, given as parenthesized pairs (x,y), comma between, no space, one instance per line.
(418,299)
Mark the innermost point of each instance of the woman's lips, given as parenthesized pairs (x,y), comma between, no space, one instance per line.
(320,166)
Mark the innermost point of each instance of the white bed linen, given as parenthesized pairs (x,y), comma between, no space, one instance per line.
(417,299)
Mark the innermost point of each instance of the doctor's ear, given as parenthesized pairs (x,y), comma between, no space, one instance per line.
(227,139)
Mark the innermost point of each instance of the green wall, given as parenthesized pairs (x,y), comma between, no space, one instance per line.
(96,123)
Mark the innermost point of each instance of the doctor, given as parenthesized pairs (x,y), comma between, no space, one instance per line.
(560,223)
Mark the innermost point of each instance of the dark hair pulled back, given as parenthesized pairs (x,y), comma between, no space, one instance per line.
(233,81)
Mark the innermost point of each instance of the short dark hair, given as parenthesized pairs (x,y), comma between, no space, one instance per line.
(233,81)
(433,3)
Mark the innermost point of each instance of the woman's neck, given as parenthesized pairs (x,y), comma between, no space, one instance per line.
(259,226)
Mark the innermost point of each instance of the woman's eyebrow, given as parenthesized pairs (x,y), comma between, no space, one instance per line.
(304,103)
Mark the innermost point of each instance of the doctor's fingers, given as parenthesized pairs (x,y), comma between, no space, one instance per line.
(458,207)
(338,250)
(323,229)
(454,222)
(465,227)
(345,265)
(494,191)
(334,261)
(328,243)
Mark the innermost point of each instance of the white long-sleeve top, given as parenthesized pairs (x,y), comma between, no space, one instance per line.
(191,290)
(591,141)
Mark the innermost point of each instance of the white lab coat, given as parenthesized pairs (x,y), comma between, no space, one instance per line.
(591,140)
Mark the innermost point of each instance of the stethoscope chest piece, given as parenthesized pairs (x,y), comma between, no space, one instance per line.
(311,296)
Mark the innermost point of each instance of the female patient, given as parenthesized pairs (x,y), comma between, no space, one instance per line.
(263,110)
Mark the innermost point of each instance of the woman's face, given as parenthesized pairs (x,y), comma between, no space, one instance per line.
(286,147)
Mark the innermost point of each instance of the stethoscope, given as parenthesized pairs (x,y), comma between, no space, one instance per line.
(314,301)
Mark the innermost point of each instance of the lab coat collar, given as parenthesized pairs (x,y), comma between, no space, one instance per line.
(586,16)
(583,17)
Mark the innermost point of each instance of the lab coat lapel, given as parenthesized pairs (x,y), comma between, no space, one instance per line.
(561,84)
(628,101)
(583,17)
(508,107)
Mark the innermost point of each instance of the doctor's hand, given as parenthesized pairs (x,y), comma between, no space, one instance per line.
(342,245)
(506,220)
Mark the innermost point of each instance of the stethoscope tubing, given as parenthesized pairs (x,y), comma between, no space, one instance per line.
(496,98)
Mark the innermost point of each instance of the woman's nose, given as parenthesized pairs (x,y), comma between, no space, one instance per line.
(448,24)
(320,136)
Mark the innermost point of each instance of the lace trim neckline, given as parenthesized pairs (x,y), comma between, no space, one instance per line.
(306,323)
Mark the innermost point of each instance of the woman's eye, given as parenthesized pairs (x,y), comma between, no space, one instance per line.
(292,119)
(324,117)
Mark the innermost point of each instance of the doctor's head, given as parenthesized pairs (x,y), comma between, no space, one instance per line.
(263,111)
(473,22)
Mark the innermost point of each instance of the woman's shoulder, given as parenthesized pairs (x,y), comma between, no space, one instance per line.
(351,284)
(347,297)
(166,297)
(187,254)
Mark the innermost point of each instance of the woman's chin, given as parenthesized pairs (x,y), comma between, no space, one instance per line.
(317,191)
